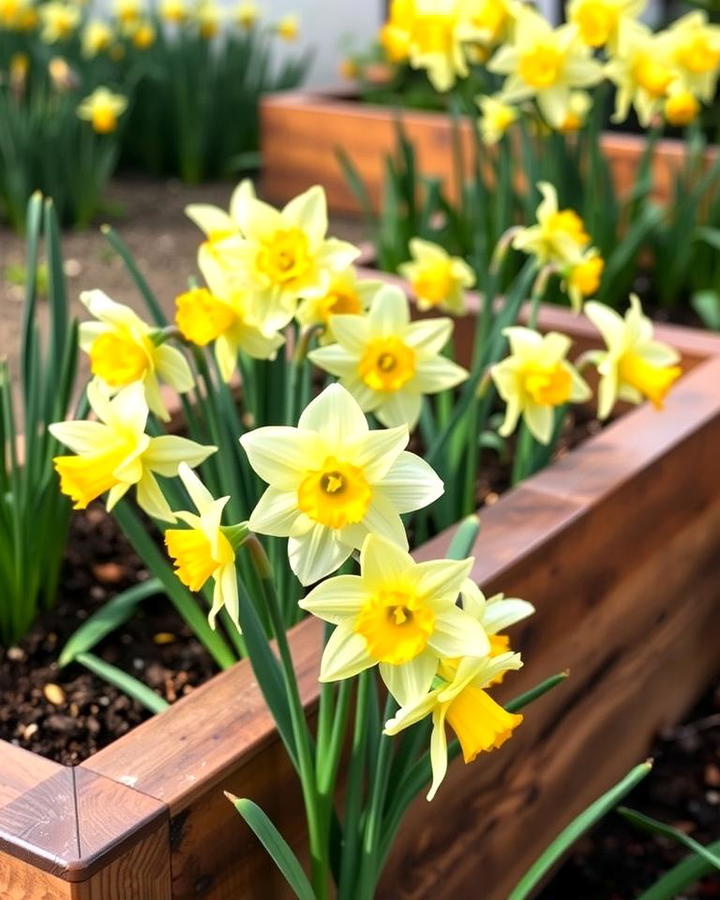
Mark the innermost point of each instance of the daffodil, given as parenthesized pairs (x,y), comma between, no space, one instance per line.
(496,116)
(397,614)
(16,14)
(208,16)
(579,105)
(223,312)
(681,107)
(123,349)
(535,379)
(634,366)
(544,63)
(284,255)
(216,224)
(102,108)
(460,699)
(203,551)
(487,22)
(96,37)
(559,235)
(695,52)
(143,35)
(346,295)
(387,362)
(114,453)
(246,15)
(174,11)
(437,279)
(435,43)
(288,27)
(581,277)
(394,36)
(332,481)
(128,12)
(599,22)
(642,70)
(59,21)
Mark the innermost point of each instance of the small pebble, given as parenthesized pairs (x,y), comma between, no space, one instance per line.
(491,498)
(30,730)
(712,797)
(109,572)
(54,694)
(163,637)
(712,775)
(16,654)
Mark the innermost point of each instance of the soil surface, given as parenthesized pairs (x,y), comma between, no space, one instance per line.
(69,714)
(616,861)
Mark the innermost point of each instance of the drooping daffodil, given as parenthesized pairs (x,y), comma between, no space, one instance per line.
(438,280)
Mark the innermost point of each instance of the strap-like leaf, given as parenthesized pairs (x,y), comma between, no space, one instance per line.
(646,823)
(128,684)
(673,883)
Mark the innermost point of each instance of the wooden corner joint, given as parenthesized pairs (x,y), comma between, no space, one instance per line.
(68,821)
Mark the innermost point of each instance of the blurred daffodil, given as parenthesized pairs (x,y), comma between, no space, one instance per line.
(496,116)
(97,37)
(246,14)
(216,224)
(695,52)
(642,71)
(437,279)
(288,27)
(634,366)
(535,379)
(114,453)
(346,295)
(332,481)
(387,362)
(599,21)
(558,236)
(102,109)
(59,20)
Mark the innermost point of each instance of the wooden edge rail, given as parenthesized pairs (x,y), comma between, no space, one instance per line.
(301,130)
(145,817)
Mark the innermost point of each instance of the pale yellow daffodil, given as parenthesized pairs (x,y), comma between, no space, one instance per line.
(437,279)
(123,349)
(128,12)
(215,223)
(246,14)
(582,276)
(496,116)
(461,701)
(102,109)
(59,21)
(387,362)
(642,70)
(535,379)
(397,614)
(114,453)
(695,52)
(332,481)
(97,37)
(599,22)
(634,366)
(544,63)
(681,106)
(174,12)
(208,16)
(435,44)
(579,105)
(347,295)
(288,27)
(559,235)
(203,551)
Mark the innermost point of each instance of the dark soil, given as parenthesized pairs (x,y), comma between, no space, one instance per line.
(616,861)
(67,715)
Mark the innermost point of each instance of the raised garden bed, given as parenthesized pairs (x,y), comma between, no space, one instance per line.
(618,546)
(301,131)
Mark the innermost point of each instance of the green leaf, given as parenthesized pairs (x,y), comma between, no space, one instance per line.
(707,305)
(128,684)
(109,617)
(709,235)
(517,703)
(681,876)
(464,538)
(646,823)
(276,846)
(576,829)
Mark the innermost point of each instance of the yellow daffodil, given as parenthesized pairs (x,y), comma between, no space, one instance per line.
(128,11)
(208,16)
(59,21)
(284,255)
(16,15)
(143,35)
(332,481)
(535,379)
(582,277)
(695,52)
(634,366)
(216,224)
(114,453)
(397,614)
(559,235)
(387,362)
(203,551)
(437,279)
(394,36)
(223,313)
(435,42)
(487,22)
(96,38)
(681,107)
(579,105)
(460,699)
(347,295)
(123,350)
(174,12)
(544,63)
(496,116)
(288,28)
(102,109)
(599,21)
(246,15)
(642,69)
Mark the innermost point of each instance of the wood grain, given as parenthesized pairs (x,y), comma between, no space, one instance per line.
(301,131)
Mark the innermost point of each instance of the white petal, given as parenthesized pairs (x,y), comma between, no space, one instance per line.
(352,332)
(335,414)
(81,437)
(345,655)
(410,681)
(540,422)
(501,614)
(438,752)
(173,368)
(376,451)
(308,211)
(315,554)
(389,313)
(165,453)
(442,579)
(429,335)
(199,494)
(438,374)
(276,513)
(282,455)
(336,599)
(400,408)
(383,562)
(457,634)
(411,483)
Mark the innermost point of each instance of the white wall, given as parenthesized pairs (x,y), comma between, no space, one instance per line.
(328,26)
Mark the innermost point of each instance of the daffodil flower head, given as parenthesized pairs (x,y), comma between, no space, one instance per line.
(388,362)
(114,453)
(544,63)
(496,116)
(695,52)
(97,37)
(208,17)
(59,20)
(246,14)
(122,351)
(174,12)
(681,107)
(397,614)
(487,22)
(642,70)
(461,699)
(394,36)
(102,109)
(634,366)
(582,277)
(283,255)
(435,43)
(579,105)
(559,235)
(216,224)
(288,27)
(599,21)
(128,11)
(535,379)
(332,481)
(202,551)
(346,295)
(437,279)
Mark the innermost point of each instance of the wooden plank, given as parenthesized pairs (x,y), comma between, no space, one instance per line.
(23,881)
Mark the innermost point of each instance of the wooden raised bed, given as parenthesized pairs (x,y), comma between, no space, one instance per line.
(618,546)
(301,130)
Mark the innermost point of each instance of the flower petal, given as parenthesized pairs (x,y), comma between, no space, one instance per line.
(152,500)
(412,680)
(276,513)
(411,483)
(383,562)
(336,599)
(165,453)
(457,634)
(317,553)
(335,414)
(345,655)
(282,455)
